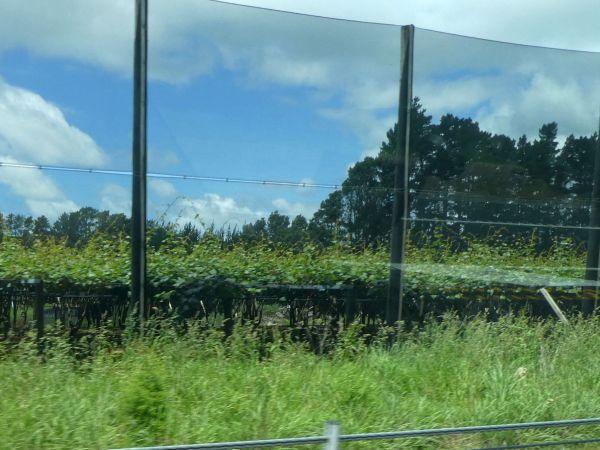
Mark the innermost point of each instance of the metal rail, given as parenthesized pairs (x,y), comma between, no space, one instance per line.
(332,438)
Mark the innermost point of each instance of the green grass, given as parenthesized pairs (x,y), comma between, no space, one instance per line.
(172,389)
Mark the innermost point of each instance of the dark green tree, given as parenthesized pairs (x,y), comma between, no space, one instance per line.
(41,226)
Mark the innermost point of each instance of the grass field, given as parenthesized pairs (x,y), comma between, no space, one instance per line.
(174,389)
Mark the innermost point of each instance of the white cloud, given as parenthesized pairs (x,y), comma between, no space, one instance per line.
(508,89)
(162,189)
(101,31)
(351,69)
(461,94)
(304,187)
(205,210)
(116,199)
(188,39)
(39,192)
(372,152)
(292,209)
(520,21)
(34,130)
(573,105)
(518,102)
(162,160)
(369,126)
(306,180)
(214,209)
(94,31)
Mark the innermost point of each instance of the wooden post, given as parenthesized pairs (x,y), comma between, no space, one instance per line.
(39,308)
(393,310)
(227,314)
(350,306)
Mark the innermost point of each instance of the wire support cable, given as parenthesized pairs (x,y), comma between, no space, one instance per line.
(416,194)
(171,176)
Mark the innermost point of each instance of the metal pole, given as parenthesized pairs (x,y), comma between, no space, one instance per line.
(332,433)
(589,302)
(393,310)
(139,157)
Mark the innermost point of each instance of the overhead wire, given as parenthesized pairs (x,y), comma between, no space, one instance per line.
(419,193)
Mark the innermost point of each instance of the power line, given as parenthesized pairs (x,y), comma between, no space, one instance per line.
(416,194)
(172,176)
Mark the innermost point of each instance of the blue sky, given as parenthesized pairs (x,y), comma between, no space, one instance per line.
(234,117)
(212,125)
(236,92)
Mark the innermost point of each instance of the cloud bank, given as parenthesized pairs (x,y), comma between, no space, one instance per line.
(33,130)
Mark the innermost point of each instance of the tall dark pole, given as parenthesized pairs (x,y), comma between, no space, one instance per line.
(393,310)
(139,155)
(593,254)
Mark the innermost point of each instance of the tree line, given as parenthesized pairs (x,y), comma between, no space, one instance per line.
(77,228)
(463,181)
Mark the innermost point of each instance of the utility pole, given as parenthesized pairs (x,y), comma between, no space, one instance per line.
(139,159)
(393,310)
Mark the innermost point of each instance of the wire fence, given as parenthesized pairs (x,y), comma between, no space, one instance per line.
(332,437)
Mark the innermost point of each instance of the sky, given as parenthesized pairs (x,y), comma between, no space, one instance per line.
(237,92)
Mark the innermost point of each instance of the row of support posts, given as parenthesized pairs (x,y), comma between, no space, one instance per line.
(39,302)
(393,310)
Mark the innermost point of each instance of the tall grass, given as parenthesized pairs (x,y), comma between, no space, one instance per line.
(171,388)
